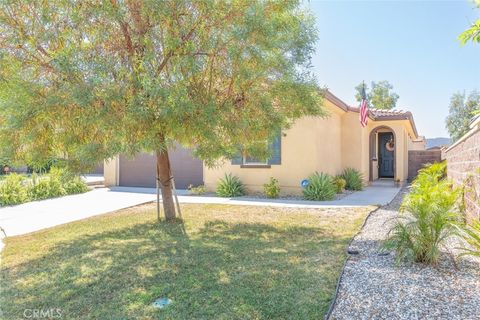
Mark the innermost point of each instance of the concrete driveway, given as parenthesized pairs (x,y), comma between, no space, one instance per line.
(37,215)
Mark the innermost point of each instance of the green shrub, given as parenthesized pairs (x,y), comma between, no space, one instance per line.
(430,174)
(198,190)
(70,182)
(431,218)
(75,185)
(271,189)
(320,187)
(16,189)
(230,186)
(46,186)
(353,179)
(340,184)
(13,190)
(58,182)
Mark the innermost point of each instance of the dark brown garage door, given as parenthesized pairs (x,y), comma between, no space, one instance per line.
(140,171)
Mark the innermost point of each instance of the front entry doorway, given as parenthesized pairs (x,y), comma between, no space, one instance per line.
(386,147)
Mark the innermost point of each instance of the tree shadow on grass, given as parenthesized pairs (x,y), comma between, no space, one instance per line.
(224,271)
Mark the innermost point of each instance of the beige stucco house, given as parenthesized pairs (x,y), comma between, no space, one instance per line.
(379,150)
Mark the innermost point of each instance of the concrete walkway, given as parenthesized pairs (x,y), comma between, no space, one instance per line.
(380,193)
(38,215)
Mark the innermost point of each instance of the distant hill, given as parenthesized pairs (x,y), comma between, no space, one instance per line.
(434,142)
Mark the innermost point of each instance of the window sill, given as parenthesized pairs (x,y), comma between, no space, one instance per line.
(255,166)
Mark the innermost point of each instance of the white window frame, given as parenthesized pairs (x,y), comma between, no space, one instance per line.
(249,163)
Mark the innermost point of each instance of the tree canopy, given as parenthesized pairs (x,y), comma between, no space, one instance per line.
(87,80)
(380,96)
(473,32)
(461,111)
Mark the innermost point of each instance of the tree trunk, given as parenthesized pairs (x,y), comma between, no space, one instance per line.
(163,174)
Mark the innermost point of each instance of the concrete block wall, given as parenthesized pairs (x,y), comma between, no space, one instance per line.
(463,167)
(417,159)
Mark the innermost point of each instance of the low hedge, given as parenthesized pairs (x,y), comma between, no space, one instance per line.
(16,188)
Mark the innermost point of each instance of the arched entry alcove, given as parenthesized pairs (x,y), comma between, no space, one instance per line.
(382,154)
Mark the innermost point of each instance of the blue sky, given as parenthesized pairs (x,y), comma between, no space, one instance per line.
(413,45)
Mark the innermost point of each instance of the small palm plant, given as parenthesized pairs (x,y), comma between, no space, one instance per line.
(321,187)
(230,186)
(431,218)
(471,234)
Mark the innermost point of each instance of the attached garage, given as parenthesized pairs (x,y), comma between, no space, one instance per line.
(140,171)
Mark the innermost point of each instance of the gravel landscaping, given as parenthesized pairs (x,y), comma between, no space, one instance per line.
(259,195)
(373,287)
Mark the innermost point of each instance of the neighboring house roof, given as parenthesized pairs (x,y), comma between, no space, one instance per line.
(374,114)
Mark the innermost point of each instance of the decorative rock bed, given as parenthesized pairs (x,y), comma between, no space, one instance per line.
(259,195)
(373,287)
(338,196)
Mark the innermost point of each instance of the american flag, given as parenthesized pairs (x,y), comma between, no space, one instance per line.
(364,109)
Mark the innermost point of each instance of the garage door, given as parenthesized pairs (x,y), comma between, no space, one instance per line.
(140,171)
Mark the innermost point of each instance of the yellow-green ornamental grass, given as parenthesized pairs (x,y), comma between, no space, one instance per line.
(223,262)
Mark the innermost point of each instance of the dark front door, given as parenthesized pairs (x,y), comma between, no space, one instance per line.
(386,158)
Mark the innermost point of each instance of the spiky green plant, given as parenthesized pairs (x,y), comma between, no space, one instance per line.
(320,187)
(230,186)
(471,234)
(428,218)
(353,179)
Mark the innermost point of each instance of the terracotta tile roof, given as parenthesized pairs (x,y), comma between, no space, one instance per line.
(374,114)
(380,113)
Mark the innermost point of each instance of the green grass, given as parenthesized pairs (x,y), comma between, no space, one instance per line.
(222,262)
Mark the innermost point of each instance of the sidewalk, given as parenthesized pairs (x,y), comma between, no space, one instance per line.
(37,215)
(379,193)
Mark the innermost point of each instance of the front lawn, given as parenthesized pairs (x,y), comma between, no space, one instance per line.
(223,262)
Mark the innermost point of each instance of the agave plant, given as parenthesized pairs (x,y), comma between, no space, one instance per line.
(353,179)
(230,186)
(320,187)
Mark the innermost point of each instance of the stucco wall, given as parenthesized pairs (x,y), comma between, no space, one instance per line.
(324,145)
(110,172)
(305,150)
(311,144)
(417,144)
(402,137)
(463,165)
(354,148)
